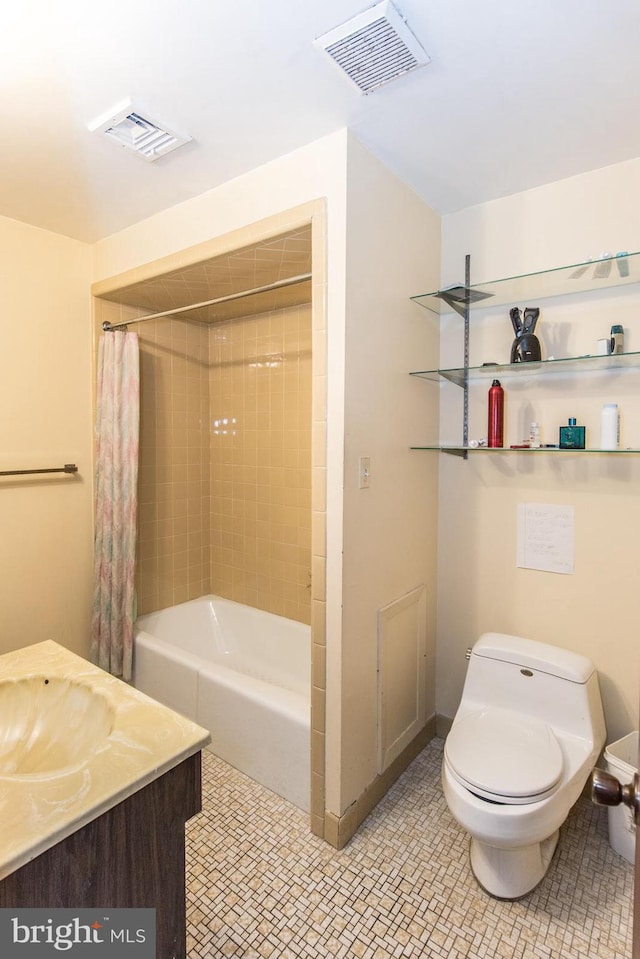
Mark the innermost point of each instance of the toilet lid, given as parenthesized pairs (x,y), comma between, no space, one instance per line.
(504,756)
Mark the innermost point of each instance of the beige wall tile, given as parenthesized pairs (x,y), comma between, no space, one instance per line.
(174,443)
(261,386)
(241,487)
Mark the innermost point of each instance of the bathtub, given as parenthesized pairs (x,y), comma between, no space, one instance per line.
(241,673)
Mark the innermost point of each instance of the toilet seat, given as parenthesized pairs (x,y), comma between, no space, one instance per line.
(504,757)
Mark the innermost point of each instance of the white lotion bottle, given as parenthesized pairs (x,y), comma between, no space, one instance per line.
(534,437)
(610,432)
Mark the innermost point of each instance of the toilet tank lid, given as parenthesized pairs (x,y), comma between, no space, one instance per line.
(534,655)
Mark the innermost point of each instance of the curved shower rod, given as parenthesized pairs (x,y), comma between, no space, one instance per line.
(111,327)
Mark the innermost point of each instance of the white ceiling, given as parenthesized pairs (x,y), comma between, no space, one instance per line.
(518,93)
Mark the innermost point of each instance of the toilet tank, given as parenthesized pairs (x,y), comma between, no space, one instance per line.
(535,679)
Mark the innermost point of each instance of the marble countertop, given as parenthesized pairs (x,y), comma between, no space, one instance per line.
(146,739)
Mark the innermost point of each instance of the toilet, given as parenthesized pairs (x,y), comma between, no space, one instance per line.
(526,735)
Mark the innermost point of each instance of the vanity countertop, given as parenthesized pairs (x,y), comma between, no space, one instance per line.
(146,739)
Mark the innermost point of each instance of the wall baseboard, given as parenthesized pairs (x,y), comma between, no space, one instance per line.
(338,830)
(443,726)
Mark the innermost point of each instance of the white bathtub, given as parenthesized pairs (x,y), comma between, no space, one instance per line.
(241,673)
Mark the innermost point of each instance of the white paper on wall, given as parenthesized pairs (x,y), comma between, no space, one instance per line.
(545,537)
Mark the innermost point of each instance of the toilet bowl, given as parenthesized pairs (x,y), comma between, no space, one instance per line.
(526,735)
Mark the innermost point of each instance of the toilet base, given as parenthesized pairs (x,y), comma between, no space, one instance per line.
(511,873)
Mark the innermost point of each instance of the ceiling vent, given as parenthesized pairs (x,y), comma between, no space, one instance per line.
(129,128)
(374,47)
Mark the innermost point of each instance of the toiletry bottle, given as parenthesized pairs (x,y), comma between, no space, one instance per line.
(534,436)
(572,437)
(617,339)
(610,434)
(495,425)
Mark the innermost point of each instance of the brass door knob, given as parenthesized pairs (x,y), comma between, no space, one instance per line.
(606,790)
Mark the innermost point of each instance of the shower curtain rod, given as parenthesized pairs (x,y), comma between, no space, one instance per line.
(110,327)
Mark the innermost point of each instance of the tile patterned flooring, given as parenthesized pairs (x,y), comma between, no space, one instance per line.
(259,886)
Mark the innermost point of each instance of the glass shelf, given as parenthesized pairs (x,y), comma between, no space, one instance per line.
(462,450)
(575,364)
(577,278)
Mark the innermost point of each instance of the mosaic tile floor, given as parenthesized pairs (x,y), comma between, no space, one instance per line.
(259,886)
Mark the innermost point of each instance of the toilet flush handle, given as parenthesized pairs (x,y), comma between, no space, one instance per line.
(606,790)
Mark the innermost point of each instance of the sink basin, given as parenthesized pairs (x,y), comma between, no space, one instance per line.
(49,725)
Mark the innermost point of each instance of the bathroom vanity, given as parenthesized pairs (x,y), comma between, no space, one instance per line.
(97,782)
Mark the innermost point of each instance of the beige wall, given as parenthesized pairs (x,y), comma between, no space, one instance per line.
(390,529)
(592,611)
(45,394)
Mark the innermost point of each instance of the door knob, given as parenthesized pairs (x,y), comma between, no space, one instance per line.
(606,790)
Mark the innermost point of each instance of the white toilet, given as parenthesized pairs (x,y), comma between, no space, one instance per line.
(527,733)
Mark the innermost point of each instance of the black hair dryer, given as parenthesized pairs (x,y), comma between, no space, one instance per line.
(526,346)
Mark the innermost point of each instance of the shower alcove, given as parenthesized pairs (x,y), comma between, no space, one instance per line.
(230,431)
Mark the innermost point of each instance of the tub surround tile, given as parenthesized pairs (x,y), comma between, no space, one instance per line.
(318,577)
(317,751)
(317,794)
(319,628)
(319,489)
(146,740)
(319,397)
(258,378)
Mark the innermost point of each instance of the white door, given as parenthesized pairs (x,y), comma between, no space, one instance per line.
(607,791)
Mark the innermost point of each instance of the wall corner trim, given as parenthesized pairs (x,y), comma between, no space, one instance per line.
(338,830)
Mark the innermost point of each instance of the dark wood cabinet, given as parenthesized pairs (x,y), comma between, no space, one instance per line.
(131,856)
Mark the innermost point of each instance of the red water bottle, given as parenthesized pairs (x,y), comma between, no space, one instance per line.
(495,426)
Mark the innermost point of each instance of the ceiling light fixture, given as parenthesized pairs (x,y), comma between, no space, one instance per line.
(374,47)
(129,128)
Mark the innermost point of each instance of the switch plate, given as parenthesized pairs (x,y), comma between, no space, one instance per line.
(364,472)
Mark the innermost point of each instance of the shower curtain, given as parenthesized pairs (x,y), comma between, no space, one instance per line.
(117,435)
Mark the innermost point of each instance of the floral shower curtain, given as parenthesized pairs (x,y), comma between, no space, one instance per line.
(117,434)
